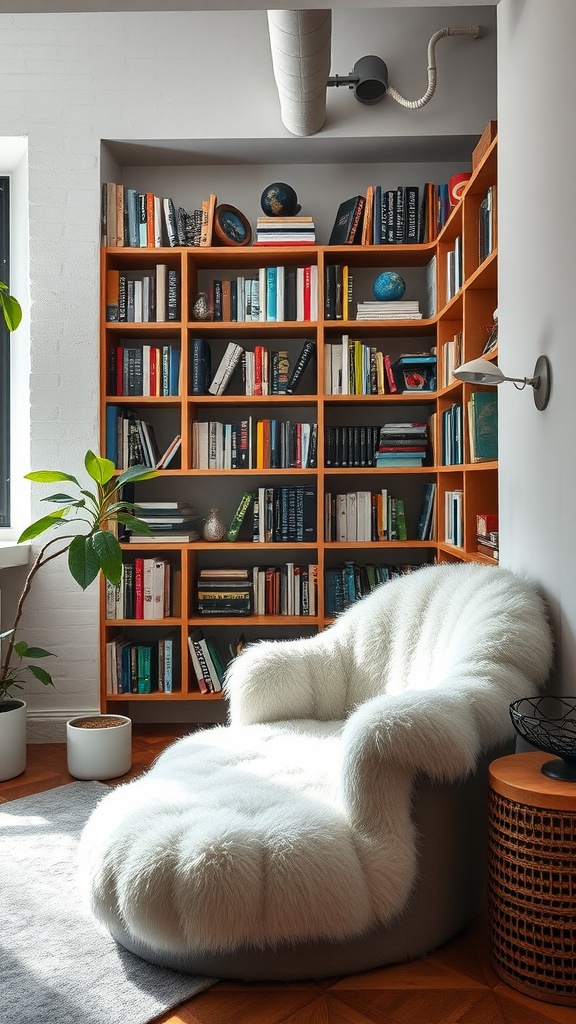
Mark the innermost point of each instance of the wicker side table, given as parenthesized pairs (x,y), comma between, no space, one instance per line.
(532,878)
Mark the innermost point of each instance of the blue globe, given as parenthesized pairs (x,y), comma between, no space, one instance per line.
(389,286)
(279,200)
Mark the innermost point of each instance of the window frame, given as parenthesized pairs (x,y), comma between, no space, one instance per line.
(5,518)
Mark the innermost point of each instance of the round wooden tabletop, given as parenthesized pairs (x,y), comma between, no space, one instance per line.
(518,777)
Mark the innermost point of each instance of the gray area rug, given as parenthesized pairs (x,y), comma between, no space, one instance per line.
(55,966)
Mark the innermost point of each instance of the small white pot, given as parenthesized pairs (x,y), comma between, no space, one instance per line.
(12,738)
(99,746)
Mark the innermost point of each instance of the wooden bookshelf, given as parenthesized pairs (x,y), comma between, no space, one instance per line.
(468,312)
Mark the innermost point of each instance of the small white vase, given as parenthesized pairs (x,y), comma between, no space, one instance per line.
(99,747)
(12,738)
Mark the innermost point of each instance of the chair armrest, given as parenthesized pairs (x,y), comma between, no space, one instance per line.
(279,680)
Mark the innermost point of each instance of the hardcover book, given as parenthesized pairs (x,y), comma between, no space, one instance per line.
(347,227)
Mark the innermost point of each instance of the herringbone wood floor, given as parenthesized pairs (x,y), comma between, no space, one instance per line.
(455,985)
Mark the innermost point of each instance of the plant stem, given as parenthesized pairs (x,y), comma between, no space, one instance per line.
(39,561)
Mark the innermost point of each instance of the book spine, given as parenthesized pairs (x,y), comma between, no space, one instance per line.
(300,366)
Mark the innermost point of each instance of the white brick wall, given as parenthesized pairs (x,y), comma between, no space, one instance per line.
(68,81)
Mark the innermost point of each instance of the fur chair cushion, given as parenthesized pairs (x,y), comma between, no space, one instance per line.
(294,821)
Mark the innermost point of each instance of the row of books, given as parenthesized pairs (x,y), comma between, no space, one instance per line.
(378,446)
(151,370)
(404,215)
(364,516)
(254,443)
(272,295)
(143,296)
(285,515)
(338,292)
(286,589)
(451,358)
(145,220)
(140,668)
(144,592)
(263,372)
(131,441)
(482,418)
(352,367)
(345,584)
(285,231)
(454,269)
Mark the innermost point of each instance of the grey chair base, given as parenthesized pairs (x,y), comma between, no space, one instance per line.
(451,821)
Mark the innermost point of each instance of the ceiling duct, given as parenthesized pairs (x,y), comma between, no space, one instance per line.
(301,55)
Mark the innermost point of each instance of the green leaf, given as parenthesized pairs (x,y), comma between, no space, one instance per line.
(101,470)
(21,648)
(63,498)
(38,652)
(8,632)
(41,525)
(83,561)
(49,476)
(109,554)
(11,308)
(133,523)
(41,674)
(136,473)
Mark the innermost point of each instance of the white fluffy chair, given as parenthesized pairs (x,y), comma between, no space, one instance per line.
(336,823)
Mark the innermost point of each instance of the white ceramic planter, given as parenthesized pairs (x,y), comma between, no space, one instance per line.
(12,738)
(99,746)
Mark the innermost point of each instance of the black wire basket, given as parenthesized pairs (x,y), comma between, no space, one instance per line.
(549,724)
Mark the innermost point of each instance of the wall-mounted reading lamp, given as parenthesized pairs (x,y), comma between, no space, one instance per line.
(482,371)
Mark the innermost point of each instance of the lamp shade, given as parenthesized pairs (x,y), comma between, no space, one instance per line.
(479,371)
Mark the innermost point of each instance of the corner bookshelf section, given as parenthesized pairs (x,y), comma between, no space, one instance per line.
(324,517)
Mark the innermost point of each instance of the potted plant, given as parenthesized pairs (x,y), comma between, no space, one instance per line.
(90,553)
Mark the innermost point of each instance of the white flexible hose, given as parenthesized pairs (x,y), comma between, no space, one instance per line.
(465,30)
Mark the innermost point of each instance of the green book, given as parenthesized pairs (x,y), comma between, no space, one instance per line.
(144,663)
(484,425)
(238,517)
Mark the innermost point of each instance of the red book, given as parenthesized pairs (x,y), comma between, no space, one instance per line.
(150,235)
(138,588)
(390,374)
(258,368)
(154,389)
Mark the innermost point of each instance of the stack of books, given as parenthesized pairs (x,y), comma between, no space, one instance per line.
(393,309)
(224,591)
(285,231)
(487,534)
(402,444)
(171,522)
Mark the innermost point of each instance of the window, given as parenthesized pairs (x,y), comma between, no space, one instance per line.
(4,358)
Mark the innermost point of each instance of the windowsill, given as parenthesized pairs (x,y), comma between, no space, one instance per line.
(12,554)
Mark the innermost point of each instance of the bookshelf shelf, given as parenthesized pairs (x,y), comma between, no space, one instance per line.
(466,315)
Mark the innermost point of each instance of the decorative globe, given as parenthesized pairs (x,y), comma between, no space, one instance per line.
(279,200)
(389,286)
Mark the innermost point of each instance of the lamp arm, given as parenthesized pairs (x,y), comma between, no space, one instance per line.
(464,30)
(348,80)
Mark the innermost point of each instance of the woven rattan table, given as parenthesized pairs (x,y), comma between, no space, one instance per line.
(532,878)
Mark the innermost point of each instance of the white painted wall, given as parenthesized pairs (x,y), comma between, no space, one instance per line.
(537,262)
(68,81)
